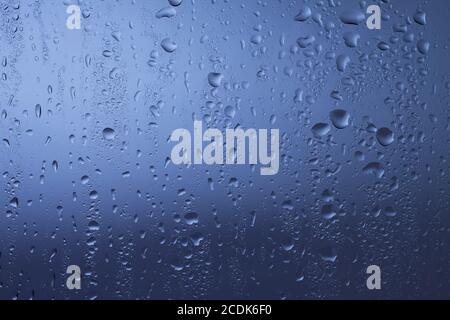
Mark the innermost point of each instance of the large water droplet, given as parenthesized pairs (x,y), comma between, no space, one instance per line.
(374,168)
(196,239)
(215,79)
(385,136)
(352,17)
(191,218)
(230,111)
(340,118)
(423,46)
(420,18)
(342,62)
(167,12)
(351,39)
(320,129)
(14,202)
(304,14)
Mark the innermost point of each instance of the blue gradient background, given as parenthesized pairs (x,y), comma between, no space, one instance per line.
(263,237)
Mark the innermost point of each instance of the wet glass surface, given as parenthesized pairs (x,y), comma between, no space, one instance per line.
(88,177)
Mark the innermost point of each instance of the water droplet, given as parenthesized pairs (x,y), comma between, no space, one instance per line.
(93,226)
(320,130)
(385,136)
(390,212)
(342,62)
(109,134)
(117,36)
(14,202)
(423,46)
(340,118)
(230,111)
(351,39)
(168,45)
(304,14)
(374,168)
(215,79)
(196,239)
(328,211)
(327,196)
(93,195)
(191,218)
(383,46)
(175,3)
(287,245)
(167,12)
(288,205)
(328,254)
(352,17)
(38,110)
(304,42)
(420,18)
(55,165)
(256,39)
